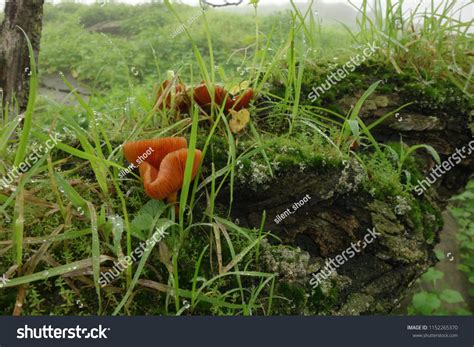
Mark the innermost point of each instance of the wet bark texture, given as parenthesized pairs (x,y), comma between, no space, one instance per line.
(14,56)
(340,213)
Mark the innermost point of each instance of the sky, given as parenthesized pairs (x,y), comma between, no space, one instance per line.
(468,12)
(409,3)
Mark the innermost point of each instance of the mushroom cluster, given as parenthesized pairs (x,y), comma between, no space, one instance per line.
(163,171)
(175,95)
(202,96)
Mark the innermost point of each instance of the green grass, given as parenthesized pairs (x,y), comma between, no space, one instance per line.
(427,42)
(72,214)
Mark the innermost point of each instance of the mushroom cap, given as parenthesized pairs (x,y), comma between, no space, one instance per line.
(160,148)
(168,179)
(202,96)
(242,101)
(176,97)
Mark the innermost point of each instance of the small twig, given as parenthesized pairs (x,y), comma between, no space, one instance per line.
(226,3)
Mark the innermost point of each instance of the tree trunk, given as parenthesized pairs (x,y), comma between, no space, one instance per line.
(14,57)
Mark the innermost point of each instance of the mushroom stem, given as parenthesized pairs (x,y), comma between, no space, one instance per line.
(172,198)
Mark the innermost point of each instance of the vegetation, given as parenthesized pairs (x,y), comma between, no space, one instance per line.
(70,217)
(441,300)
(463,213)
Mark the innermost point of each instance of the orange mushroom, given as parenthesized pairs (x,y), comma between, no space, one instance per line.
(162,171)
(133,151)
(243,100)
(176,97)
(203,98)
(166,181)
(169,97)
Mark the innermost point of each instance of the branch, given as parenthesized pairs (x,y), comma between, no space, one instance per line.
(226,3)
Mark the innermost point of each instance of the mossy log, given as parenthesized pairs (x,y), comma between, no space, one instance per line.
(341,212)
(343,208)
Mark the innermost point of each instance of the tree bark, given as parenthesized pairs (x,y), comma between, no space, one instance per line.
(14,56)
(340,213)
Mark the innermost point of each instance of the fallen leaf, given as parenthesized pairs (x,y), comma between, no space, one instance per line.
(239,120)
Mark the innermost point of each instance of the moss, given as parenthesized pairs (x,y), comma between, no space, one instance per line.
(291,264)
(356,304)
(7,299)
(283,154)
(351,177)
(324,301)
(293,267)
(383,179)
(426,218)
(297,296)
(217,152)
(440,95)
(318,76)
